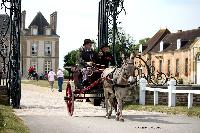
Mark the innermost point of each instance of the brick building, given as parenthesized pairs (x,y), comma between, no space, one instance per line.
(39,44)
(176,54)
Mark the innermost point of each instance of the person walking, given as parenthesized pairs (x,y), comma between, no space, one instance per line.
(60,79)
(51,79)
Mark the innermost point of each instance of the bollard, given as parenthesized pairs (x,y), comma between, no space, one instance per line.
(143,83)
(171,96)
(190,100)
(155,97)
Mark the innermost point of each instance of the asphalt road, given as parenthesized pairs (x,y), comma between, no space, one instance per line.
(44,111)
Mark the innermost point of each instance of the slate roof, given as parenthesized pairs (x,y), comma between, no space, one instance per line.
(187,38)
(4,24)
(155,40)
(41,22)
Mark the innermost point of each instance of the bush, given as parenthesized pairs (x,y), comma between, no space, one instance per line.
(66,74)
(180,81)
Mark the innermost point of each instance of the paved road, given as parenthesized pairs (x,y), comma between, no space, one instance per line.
(45,112)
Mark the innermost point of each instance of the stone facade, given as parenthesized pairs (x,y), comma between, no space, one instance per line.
(181,62)
(39,44)
(181,99)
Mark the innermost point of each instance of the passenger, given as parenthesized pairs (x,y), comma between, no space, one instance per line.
(105,57)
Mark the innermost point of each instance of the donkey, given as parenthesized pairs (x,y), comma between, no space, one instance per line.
(121,79)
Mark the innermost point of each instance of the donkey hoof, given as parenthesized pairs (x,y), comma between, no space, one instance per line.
(121,120)
(117,118)
(107,116)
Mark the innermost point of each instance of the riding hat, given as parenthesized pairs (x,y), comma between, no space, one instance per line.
(104,45)
(87,41)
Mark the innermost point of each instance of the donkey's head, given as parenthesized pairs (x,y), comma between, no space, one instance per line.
(127,71)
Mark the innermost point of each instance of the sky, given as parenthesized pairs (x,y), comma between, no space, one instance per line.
(78,19)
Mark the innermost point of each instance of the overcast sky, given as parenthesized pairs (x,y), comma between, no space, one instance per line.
(77,19)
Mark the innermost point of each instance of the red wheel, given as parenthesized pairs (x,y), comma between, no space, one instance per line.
(69,99)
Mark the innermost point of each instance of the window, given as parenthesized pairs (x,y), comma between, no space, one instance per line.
(198,57)
(140,48)
(178,43)
(47,48)
(47,66)
(177,67)
(153,67)
(161,45)
(186,67)
(168,68)
(160,65)
(34,48)
(34,30)
(48,31)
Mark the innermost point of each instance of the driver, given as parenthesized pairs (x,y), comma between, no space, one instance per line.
(86,57)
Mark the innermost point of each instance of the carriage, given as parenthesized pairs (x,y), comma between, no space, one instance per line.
(80,90)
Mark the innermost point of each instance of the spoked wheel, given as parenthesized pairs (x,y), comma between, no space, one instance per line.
(69,99)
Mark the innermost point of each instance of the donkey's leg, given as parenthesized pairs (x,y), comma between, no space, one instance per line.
(106,101)
(119,101)
(110,103)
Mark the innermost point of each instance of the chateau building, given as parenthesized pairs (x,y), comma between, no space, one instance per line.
(39,44)
(176,54)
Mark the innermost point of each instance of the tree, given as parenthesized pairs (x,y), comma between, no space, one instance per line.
(70,58)
(141,42)
(124,43)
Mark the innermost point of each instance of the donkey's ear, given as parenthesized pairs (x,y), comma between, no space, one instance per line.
(123,57)
(131,59)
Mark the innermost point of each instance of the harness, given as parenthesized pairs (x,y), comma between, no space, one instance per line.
(122,86)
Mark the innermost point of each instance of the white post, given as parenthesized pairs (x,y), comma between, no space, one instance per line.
(155,97)
(171,96)
(143,83)
(190,100)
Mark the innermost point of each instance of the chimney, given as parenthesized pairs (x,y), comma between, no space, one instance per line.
(53,21)
(23,17)
(179,31)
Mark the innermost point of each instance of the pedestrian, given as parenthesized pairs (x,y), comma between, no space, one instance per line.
(60,79)
(51,78)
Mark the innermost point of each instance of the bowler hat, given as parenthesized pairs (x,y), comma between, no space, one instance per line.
(87,41)
(104,45)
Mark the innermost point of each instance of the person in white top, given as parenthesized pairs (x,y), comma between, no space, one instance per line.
(60,79)
(51,78)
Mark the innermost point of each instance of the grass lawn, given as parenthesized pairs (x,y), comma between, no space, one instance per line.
(43,83)
(9,122)
(194,111)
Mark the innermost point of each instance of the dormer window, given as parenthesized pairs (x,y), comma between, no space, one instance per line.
(34,30)
(47,31)
(178,43)
(140,48)
(161,46)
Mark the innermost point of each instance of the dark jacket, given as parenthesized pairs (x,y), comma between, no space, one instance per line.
(106,59)
(86,56)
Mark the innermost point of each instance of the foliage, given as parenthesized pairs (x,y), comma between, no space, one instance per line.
(123,45)
(9,122)
(66,74)
(70,58)
(180,81)
(194,111)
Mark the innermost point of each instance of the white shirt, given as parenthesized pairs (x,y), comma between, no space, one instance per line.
(60,73)
(51,76)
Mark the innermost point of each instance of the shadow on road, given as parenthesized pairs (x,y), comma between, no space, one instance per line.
(150,118)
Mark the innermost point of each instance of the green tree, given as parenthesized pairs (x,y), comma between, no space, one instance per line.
(141,42)
(124,44)
(70,58)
